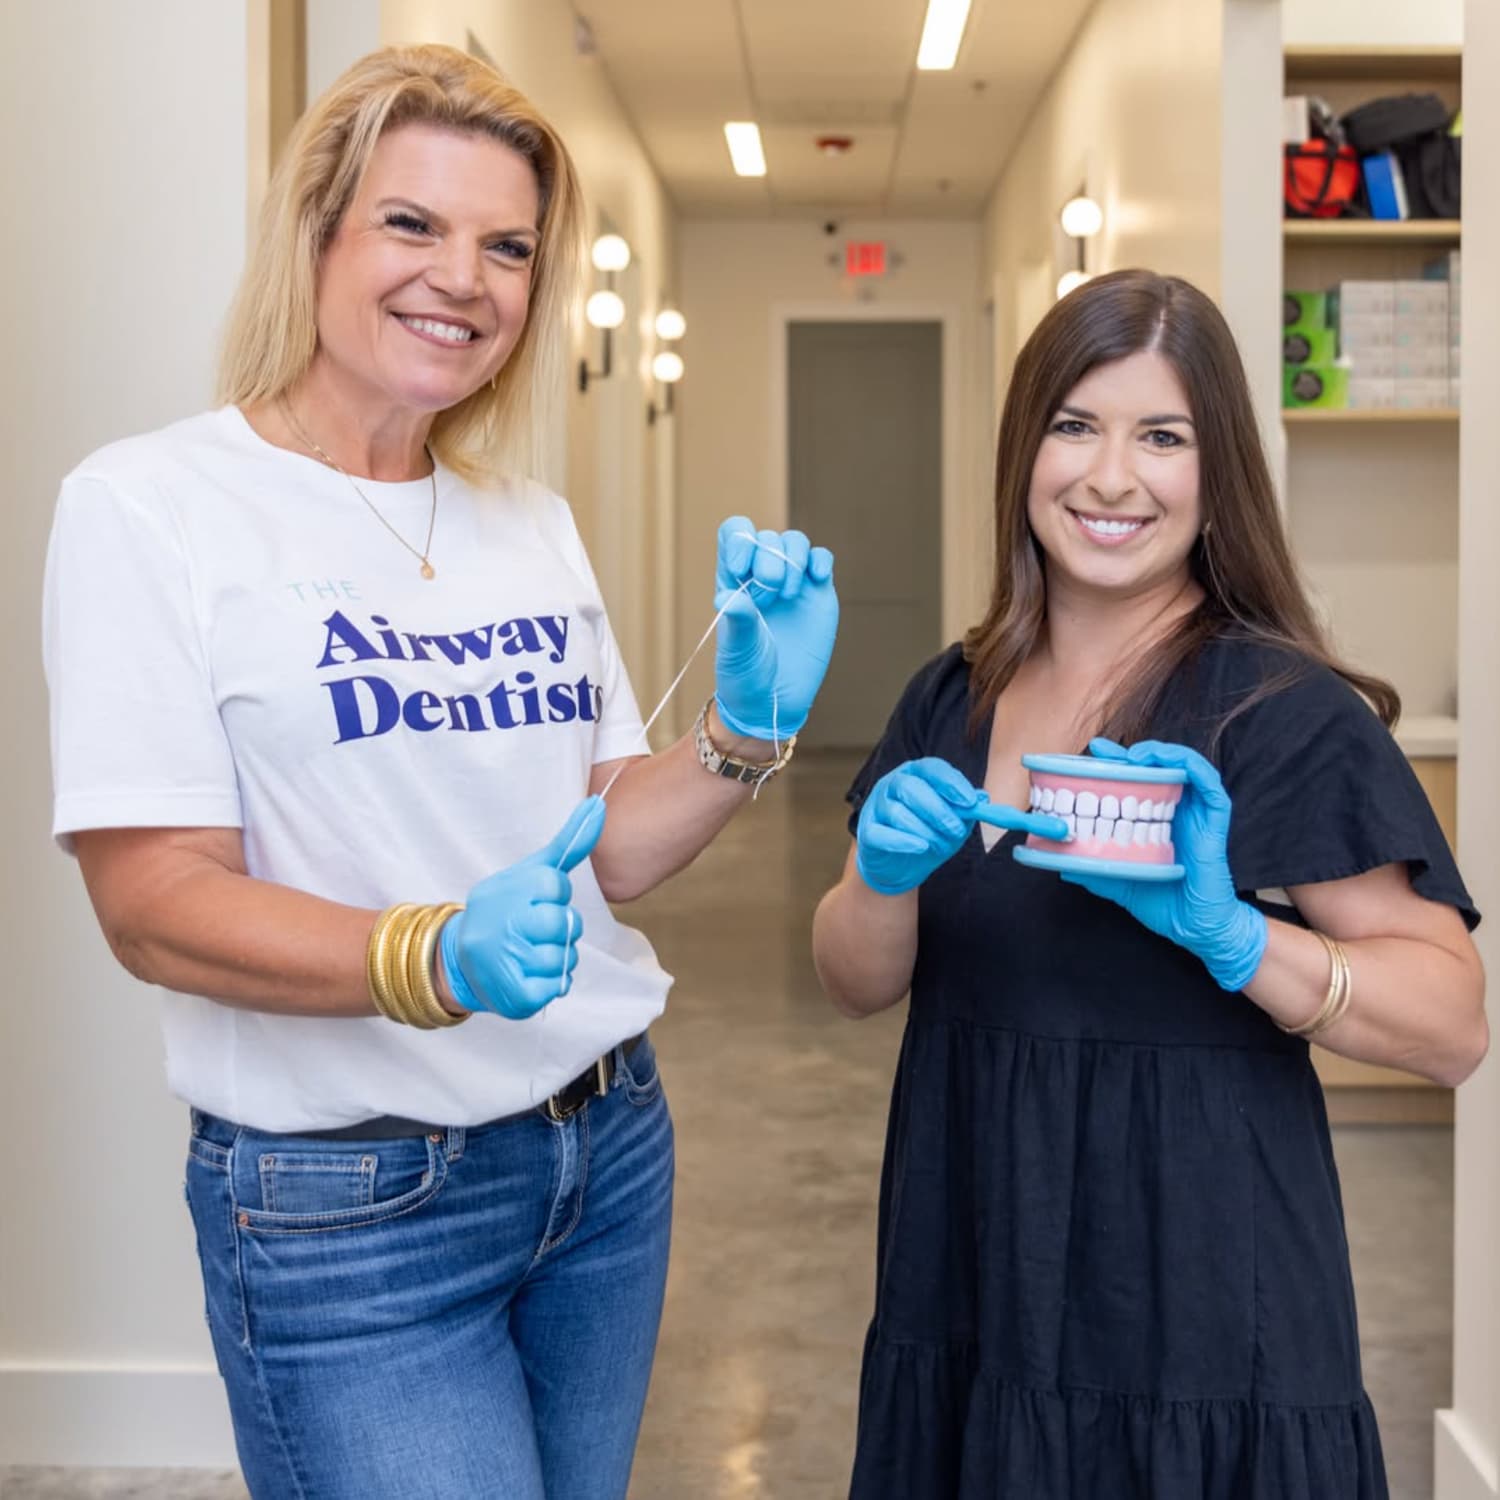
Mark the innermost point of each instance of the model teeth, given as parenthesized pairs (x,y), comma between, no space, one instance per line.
(450,331)
(1128,822)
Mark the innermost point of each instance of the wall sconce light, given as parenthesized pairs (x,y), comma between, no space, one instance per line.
(611,253)
(667,366)
(668,369)
(670,324)
(1080,218)
(605,310)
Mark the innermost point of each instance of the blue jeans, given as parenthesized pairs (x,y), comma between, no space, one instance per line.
(466,1315)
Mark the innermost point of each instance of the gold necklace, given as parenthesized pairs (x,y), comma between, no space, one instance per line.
(428,571)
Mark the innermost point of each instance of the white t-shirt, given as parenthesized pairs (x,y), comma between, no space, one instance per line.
(233,640)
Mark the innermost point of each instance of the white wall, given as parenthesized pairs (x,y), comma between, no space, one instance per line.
(1406,23)
(121,289)
(1468,1434)
(119,276)
(1133,114)
(604,464)
(739,279)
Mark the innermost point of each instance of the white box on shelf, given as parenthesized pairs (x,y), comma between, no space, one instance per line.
(1374,394)
(1419,330)
(1296,120)
(1455,395)
(1359,331)
(1424,362)
(1422,298)
(1455,361)
(1372,362)
(1365,297)
(1422,395)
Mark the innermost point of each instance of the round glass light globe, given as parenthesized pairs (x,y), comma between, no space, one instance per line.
(611,253)
(605,310)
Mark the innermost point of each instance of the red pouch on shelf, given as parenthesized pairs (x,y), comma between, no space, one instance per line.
(1321,180)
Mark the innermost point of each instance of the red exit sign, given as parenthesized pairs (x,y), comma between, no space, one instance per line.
(864,257)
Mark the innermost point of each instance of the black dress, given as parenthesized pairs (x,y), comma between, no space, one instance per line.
(1111,1258)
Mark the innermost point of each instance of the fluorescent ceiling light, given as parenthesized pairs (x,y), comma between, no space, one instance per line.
(942,33)
(745,148)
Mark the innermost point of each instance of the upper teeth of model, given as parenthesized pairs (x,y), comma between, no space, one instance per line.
(450,331)
(1111,528)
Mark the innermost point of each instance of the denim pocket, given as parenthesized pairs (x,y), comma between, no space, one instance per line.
(640,1075)
(289,1186)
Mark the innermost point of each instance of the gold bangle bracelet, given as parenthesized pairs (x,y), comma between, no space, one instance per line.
(402,932)
(1336,1000)
(419,974)
(377,962)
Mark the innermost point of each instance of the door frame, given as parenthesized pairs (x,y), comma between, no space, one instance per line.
(955,565)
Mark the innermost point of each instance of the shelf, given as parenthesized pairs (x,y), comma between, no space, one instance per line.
(1372,231)
(1315,63)
(1431,736)
(1316,415)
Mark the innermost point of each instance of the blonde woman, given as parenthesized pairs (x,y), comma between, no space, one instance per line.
(319,669)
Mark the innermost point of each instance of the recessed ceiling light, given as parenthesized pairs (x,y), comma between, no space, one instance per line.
(942,33)
(745,148)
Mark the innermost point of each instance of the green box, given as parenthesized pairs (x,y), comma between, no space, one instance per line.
(1315,385)
(1306,311)
(1309,346)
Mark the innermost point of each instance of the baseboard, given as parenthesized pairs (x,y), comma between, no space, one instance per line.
(1353,1105)
(112,1417)
(1461,1469)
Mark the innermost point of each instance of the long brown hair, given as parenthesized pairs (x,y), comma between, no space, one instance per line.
(1241,560)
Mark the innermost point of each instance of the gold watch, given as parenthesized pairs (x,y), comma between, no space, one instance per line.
(711,758)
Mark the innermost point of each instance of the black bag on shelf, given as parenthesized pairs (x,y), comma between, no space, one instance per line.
(1383,124)
(1415,127)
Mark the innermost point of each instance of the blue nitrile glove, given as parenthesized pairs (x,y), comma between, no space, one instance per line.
(918,815)
(505,950)
(776,637)
(1200,912)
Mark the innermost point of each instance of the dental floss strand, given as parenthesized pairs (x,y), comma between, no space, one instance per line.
(744,588)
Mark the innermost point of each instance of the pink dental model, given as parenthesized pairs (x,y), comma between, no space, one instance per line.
(1119,817)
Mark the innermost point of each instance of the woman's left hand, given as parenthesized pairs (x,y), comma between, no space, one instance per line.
(1201,912)
(776,636)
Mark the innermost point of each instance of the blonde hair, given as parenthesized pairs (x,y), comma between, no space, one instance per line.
(272,330)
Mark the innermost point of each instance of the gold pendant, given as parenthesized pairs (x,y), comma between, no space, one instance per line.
(427,569)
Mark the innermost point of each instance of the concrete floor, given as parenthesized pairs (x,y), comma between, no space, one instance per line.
(780,1110)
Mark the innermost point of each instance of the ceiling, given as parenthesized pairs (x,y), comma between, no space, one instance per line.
(927,144)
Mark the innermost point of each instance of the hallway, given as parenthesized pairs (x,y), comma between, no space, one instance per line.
(780,1111)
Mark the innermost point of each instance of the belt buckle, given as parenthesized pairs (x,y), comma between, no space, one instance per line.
(557,1113)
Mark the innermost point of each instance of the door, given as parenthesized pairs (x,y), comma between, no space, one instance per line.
(865,459)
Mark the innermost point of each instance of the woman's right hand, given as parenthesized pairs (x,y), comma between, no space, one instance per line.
(918,815)
(514,946)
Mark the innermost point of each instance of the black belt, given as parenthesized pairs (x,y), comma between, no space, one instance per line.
(592,1083)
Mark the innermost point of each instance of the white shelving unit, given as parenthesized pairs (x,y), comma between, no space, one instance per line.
(1372,501)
